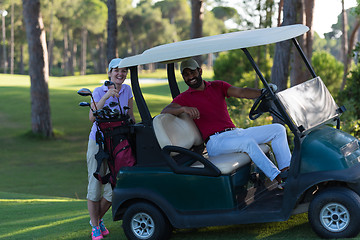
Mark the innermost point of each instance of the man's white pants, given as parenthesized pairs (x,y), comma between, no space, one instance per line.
(248,140)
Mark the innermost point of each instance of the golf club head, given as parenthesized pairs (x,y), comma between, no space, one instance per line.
(114,114)
(84,92)
(106,108)
(84,104)
(113,104)
(99,113)
(109,83)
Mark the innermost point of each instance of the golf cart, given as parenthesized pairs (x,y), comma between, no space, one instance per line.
(175,184)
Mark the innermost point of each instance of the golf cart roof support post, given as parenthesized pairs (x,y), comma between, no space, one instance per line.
(139,98)
(174,88)
(302,54)
(280,107)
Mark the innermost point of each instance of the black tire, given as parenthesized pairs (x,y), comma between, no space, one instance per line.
(335,213)
(144,221)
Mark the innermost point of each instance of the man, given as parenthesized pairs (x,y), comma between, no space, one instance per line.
(205,103)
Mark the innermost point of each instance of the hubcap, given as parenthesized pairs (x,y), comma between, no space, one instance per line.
(142,225)
(334,217)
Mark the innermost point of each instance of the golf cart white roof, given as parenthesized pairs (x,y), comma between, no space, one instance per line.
(177,51)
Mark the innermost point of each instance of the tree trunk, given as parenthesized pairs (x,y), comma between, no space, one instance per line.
(298,69)
(281,5)
(131,36)
(111,30)
(344,44)
(309,36)
(38,68)
(197,17)
(66,50)
(12,40)
(84,34)
(51,38)
(280,69)
(102,60)
(71,56)
(22,71)
(353,35)
(4,44)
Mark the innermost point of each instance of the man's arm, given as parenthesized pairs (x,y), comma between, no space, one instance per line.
(176,109)
(250,93)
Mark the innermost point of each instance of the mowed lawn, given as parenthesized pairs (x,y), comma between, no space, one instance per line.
(43,182)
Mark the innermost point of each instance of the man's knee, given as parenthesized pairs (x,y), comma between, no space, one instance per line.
(279,127)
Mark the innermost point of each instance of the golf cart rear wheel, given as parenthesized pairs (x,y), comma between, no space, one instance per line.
(335,213)
(146,222)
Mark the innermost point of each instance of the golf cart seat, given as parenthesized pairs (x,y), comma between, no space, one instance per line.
(179,134)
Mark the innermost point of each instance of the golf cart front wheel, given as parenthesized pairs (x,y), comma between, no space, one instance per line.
(335,213)
(143,221)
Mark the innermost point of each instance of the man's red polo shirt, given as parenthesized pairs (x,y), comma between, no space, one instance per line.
(214,116)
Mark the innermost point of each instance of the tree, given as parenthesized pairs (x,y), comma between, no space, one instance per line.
(348,46)
(178,13)
(224,13)
(344,43)
(344,35)
(329,69)
(299,72)
(280,69)
(38,69)
(197,13)
(112,26)
(309,36)
(91,16)
(12,40)
(143,27)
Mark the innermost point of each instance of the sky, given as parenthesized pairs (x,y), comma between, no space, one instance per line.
(326,12)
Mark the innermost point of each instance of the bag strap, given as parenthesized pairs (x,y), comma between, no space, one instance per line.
(100,156)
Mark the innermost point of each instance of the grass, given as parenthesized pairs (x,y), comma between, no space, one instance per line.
(43,182)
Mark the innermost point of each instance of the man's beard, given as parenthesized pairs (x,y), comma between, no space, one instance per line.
(196,84)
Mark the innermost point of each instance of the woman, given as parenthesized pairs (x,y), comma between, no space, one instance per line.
(98,195)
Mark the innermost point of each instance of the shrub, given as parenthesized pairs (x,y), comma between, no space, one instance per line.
(329,69)
(349,97)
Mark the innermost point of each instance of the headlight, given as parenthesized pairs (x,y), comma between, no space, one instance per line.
(349,148)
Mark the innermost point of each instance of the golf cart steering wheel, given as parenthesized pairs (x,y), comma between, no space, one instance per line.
(259,106)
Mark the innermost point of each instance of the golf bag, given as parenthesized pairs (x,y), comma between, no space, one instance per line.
(114,146)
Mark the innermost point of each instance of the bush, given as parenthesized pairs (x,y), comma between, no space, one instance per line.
(349,98)
(235,68)
(329,69)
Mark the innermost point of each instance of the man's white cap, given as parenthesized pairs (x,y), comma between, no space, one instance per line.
(114,64)
(190,63)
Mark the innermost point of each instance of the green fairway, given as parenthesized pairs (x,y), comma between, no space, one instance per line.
(43,184)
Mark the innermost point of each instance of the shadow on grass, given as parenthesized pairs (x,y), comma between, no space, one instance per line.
(41,217)
(296,228)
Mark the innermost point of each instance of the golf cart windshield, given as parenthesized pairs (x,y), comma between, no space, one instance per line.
(309,104)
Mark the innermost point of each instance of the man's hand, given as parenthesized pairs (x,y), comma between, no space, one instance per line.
(272,86)
(192,112)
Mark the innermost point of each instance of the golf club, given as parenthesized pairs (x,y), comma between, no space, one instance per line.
(86,92)
(86,104)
